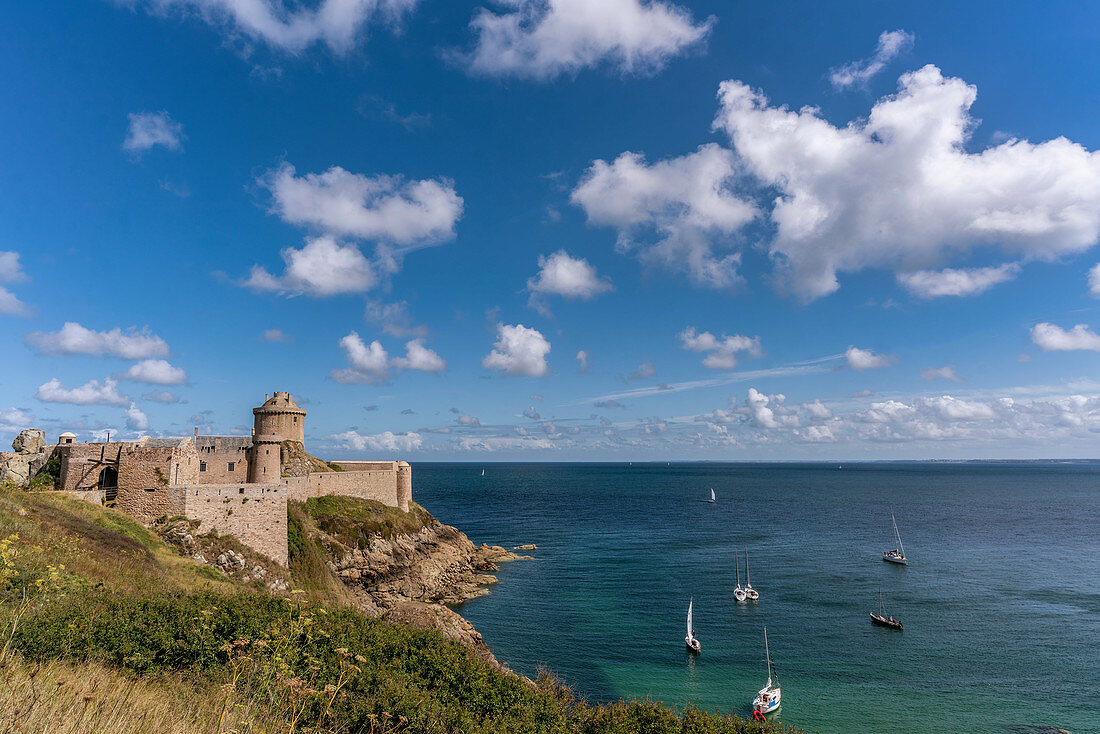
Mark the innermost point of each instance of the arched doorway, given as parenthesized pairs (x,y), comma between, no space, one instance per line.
(108,482)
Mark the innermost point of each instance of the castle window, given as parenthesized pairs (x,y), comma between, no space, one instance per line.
(232,465)
(202,466)
(295,419)
(240,490)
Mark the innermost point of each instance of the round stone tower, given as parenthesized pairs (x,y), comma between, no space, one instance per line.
(404,485)
(278,419)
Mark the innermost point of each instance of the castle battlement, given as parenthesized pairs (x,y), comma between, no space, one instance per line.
(232,485)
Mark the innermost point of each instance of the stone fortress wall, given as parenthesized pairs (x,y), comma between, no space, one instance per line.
(222,482)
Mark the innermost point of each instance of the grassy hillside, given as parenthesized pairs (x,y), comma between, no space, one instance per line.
(110,630)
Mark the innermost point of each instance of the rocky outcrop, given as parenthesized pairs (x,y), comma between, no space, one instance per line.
(444,620)
(18,466)
(235,561)
(297,462)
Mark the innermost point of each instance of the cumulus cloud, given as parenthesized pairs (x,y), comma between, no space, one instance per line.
(1094,281)
(386,441)
(150,129)
(721,351)
(161,396)
(1051,338)
(531,413)
(899,190)
(10,305)
(324,267)
(518,351)
(90,393)
(582,361)
(155,372)
(136,420)
(542,39)
(928,374)
(467,420)
(817,411)
(418,357)
(865,359)
(273,336)
(565,276)
(957,282)
(11,272)
(372,365)
(857,73)
(74,339)
(385,208)
(679,213)
(393,318)
(291,27)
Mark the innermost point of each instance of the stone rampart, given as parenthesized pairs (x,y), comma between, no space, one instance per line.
(254,513)
(379,484)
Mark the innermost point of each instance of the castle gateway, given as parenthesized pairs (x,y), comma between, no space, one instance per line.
(232,485)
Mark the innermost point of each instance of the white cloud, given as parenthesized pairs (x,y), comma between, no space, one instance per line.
(76,339)
(324,267)
(953,409)
(957,282)
(531,413)
(10,305)
(136,420)
(371,364)
(518,351)
(10,269)
(273,336)
(386,441)
(940,373)
(565,276)
(291,27)
(898,189)
(385,208)
(582,361)
(857,73)
(643,371)
(865,359)
(419,357)
(542,39)
(679,213)
(491,444)
(91,393)
(817,411)
(155,372)
(1051,338)
(1094,281)
(150,129)
(468,420)
(13,420)
(722,352)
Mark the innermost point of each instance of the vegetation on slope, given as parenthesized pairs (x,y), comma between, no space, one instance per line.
(351,520)
(106,592)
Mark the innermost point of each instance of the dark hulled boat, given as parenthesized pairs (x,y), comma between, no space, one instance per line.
(882,620)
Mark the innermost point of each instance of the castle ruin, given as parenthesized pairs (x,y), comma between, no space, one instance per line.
(232,485)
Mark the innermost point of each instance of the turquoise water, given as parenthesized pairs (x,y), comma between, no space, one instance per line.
(1001,600)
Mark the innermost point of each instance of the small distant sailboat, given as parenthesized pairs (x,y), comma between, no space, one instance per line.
(751,593)
(738,593)
(692,643)
(898,554)
(881,619)
(712,497)
(482,472)
(769,697)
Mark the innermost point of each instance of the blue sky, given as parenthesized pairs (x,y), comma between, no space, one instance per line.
(774,230)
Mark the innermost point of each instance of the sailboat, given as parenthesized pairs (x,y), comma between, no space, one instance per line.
(482,472)
(751,593)
(712,497)
(898,554)
(738,593)
(881,619)
(692,643)
(769,697)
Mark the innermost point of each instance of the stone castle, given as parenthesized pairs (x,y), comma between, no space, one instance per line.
(232,485)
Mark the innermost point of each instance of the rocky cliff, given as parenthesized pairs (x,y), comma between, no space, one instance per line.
(29,455)
(403,567)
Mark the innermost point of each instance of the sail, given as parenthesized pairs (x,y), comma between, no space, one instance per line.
(898,535)
(692,601)
(712,495)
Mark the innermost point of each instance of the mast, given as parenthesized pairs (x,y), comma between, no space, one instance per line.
(737,565)
(748,581)
(768,655)
(898,535)
(880,602)
(690,602)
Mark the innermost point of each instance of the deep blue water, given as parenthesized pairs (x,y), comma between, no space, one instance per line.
(1000,601)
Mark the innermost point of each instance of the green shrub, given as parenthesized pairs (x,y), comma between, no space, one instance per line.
(46,477)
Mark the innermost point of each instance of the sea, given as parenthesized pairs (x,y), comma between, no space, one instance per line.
(1000,600)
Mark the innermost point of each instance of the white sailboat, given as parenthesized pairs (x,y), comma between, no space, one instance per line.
(897,555)
(692,643)
(738,593)
(769,697)
(751,593)
(482,472)
(712,497)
